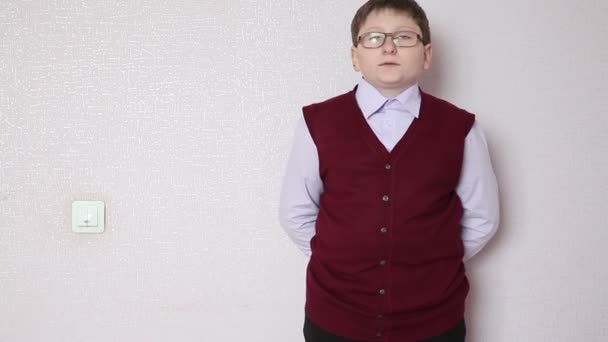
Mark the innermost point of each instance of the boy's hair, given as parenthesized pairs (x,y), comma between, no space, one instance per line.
(410,7)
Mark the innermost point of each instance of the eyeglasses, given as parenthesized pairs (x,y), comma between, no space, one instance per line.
(374,40)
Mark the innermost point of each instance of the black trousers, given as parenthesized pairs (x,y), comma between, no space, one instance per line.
(314,333)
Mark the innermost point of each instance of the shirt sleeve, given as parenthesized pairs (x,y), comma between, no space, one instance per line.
(301,190)
(478,191)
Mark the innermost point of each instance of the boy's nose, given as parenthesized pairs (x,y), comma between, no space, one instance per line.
(389,46)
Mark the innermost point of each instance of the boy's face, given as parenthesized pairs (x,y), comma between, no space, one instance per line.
(389,68)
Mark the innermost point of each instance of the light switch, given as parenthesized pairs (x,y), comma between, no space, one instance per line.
(88,216)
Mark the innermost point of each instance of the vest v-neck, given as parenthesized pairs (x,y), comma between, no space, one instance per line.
(374,142)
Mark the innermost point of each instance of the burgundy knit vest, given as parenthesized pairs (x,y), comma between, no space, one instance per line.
(386,260)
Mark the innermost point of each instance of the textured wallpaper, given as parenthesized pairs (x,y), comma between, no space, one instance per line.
(179,115)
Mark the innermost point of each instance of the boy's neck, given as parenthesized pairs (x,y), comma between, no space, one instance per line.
(392,92)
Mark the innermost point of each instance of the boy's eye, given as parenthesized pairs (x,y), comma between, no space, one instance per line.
(375,37)
(404,36)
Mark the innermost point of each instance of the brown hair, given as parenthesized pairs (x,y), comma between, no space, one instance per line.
(410,7)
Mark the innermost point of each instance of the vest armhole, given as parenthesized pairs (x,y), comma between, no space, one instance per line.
(469,121)
(309,116)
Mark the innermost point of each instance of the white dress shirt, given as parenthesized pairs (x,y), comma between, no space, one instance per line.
(389,118)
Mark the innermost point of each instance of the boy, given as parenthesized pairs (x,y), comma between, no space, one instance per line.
(388,190)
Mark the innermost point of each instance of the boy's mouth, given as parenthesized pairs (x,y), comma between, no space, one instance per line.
(389,64)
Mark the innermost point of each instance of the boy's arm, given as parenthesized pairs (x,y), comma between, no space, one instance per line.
(301,190)
(478,192)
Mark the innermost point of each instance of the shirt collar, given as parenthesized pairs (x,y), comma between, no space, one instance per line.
(370,100)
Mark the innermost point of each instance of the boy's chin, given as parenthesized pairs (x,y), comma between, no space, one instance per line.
(395,83)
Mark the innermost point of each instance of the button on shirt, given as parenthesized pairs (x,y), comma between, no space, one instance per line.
(389,118)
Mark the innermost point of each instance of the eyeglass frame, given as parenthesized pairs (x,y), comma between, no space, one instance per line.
(392,35)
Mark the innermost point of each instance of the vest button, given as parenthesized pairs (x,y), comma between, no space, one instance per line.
(382,262)
(385,198)
(383,230)
(379,333)
(379,317)
(382,292)
(387,166)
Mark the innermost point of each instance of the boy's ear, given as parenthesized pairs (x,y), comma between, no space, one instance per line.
(428,56)
(354,58)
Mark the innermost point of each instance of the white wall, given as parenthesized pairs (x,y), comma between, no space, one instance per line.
(179,115)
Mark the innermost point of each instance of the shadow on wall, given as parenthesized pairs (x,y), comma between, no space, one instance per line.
(431,81)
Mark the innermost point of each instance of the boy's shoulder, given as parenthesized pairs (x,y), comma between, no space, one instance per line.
(440,104)
(337,100)
(446,111)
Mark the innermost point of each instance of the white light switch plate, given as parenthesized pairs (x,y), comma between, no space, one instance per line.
(88,216)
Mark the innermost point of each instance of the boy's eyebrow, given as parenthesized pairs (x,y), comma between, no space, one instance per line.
(397,29)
